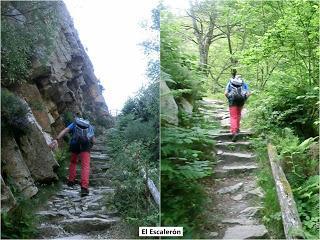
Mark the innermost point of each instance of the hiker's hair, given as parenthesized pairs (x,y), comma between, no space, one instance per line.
(233,72)
(77,114)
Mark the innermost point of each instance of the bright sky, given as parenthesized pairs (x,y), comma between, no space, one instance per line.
(177,6)
(111,32)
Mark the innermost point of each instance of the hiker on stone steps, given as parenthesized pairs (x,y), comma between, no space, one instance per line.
(237,92)
(80,144)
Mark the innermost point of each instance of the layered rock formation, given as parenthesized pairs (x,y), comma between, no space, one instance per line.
(59,83)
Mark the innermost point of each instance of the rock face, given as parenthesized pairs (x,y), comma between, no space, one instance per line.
(7,198)
(16,169)
(61,82)
(36,153)
(68,79)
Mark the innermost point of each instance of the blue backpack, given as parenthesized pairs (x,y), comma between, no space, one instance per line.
(237,94)
(83,131)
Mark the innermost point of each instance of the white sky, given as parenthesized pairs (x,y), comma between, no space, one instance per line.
(111,32)
(177,6)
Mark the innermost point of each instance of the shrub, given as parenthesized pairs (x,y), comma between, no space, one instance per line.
(62,155)
(13,113)
(20,222)
(68,118)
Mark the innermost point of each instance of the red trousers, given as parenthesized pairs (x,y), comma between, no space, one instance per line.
(85,168)
(235,116)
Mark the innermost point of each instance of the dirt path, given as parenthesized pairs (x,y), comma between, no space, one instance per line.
(235,196)
(70,216)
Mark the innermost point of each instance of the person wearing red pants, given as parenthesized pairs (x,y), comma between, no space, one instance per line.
(80,145)
(237,92)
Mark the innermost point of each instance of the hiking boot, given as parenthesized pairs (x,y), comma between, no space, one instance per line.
(234,137)
(72,183)
(84,192)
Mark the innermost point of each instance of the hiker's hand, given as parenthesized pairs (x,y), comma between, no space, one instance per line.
(53,144)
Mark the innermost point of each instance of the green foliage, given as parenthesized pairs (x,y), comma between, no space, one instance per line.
(279,107)
(105,122)
(68,118)
(24,36)
(62,155)
(132,198)
(134,147)
(301,168)
(21,222)
(13,114)
(307,198)
(179,67)
(186,157)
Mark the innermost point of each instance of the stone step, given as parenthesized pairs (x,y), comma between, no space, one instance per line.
(228,136)
(233,146)
(94,152)
(241,221)
(242,131)
(100,166)
(230,189)
(246,232)
(99,147)
(225,123)
(229,157)
(99,175)
(51,215)
(234,169)
(85,225)
(99,157)
(213,101)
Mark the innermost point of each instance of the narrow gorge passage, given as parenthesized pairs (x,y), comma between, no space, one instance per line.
(67,215)
(235,195)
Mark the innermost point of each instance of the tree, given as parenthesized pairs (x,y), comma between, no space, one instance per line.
(204,17)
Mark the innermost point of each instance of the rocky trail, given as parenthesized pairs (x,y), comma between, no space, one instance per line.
(235,195)
(67,215)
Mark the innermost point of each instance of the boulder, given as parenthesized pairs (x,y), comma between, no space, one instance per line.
(169,108)
(186,106)
(15,168)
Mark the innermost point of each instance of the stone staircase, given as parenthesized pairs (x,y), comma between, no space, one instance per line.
(67,215)
(236,202)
